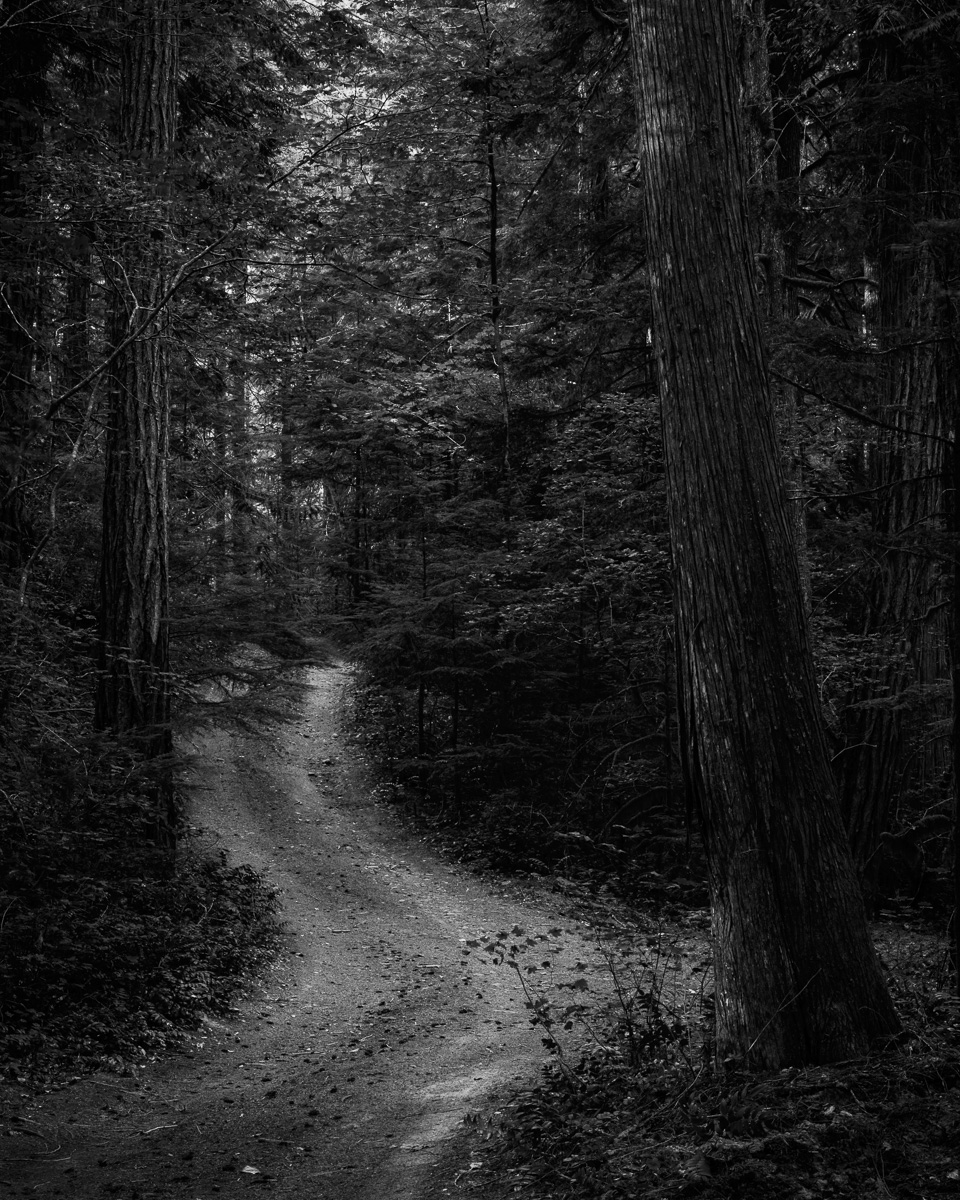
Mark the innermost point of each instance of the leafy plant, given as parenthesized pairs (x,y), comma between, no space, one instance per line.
(656,1014)
(104,954)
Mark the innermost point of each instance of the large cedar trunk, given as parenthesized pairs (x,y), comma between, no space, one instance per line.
(797,977)
(132,686)
(772,71)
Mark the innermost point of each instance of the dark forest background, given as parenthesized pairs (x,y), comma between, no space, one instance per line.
(331,327)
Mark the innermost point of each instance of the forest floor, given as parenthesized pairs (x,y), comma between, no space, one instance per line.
(389,1052)
(378,1036)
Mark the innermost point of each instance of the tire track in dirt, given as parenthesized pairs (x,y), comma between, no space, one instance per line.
(348,1072)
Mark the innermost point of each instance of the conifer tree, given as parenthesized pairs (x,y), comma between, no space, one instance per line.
(133,640)
(797,976)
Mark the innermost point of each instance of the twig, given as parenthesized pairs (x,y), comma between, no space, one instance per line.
(785,1004)
(180,277)
(861,416)
(15,811)
(3,915)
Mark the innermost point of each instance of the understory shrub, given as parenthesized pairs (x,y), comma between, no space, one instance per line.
(107,954)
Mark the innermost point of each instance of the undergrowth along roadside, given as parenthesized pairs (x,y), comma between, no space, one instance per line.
(110,949)
(106,961)
(642,1111)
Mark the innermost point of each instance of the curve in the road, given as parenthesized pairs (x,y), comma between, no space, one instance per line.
(354,1064)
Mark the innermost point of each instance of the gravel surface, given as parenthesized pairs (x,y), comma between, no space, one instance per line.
(359,1065)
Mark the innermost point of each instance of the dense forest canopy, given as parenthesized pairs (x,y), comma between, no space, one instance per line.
(336,321)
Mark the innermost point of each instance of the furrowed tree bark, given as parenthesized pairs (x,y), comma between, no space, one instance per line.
(768,32)
(132,697)
(797,978)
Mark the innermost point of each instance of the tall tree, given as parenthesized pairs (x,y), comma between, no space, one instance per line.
(132,680)
(905,143)
(797,976)
(26,49)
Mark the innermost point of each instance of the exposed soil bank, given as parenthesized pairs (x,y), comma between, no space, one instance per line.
(350,1070)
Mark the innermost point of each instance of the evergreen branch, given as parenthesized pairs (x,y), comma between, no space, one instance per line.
(181,276)
(832,284)
(873,491)
(860,416)
(588,99)
(605,18)
(308,261)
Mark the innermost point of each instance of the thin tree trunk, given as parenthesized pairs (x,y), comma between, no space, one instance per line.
(76,338)
(954,531)
(287,522)
(357,558)
(797,976)
(493,254)
(239,504)
(25,54)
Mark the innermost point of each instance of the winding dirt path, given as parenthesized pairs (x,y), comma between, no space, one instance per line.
(349,1072)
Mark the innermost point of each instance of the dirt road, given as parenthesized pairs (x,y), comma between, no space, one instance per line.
(350,1071)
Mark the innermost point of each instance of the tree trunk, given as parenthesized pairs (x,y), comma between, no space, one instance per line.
(132,680)
(954,531)
(76,335)
(908,160)
(797,977)
(495,283)
(25,54)
(773,48)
